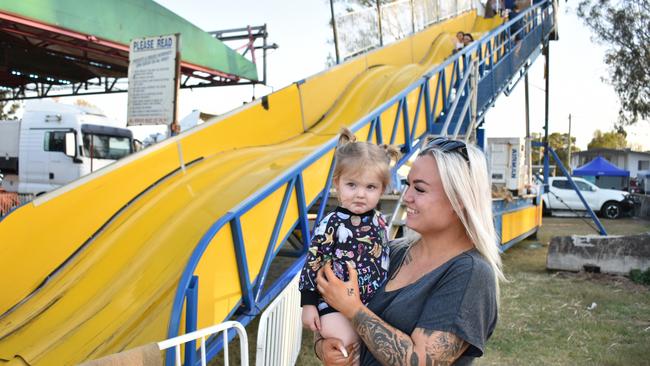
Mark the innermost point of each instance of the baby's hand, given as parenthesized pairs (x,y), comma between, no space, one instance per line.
(310,318)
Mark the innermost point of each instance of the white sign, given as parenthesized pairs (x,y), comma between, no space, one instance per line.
(152,80)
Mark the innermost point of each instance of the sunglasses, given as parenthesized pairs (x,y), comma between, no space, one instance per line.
(447,145)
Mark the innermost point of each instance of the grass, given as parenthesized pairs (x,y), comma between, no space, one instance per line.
(544,317)
(547,318)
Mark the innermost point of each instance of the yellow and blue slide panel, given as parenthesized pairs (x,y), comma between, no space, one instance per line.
(517,219)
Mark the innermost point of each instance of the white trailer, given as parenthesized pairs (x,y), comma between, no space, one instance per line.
(54,144)
(507,162)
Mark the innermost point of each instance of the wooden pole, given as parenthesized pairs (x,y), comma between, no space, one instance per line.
(175,127)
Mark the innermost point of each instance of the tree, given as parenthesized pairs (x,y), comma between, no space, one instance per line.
(608,140)
(88,106)
(84,103)
(537,153)
(559,142)
(8,109)
(624,27)
(636,147)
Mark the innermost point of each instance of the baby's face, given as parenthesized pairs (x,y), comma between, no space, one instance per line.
(359,192)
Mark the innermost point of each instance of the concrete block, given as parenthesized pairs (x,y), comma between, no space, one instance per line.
(606,254)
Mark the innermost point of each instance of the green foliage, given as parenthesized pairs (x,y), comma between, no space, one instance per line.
(608,140)
(8,109)
(624,27)
(558,142)
(642,277)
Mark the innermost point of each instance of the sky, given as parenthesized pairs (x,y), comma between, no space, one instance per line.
(301,29)
(576,87)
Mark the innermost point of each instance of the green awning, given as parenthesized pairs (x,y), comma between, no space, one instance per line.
(120,21)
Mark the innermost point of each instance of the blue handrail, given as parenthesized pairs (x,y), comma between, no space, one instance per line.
(494,53)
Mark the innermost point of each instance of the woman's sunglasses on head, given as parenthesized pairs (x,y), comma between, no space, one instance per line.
(447,145)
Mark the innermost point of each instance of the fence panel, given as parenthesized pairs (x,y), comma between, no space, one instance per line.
(360,30)
(357,31)
(279,334)
(204,334)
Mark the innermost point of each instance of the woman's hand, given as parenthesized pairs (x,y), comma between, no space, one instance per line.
(342,296)
(329,351)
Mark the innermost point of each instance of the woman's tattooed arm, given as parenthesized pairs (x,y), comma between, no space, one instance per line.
(393,347)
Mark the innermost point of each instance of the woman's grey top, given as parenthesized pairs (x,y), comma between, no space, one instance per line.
(458,297)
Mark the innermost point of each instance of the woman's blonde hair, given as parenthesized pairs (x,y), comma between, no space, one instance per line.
(352,155)
(467,186)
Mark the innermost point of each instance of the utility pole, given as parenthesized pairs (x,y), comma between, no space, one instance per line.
(569,150)
(547,58)
(529,150)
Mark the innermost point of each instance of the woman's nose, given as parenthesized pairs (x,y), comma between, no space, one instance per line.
(407,195)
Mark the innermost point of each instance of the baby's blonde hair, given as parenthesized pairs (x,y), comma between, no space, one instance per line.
(352,155)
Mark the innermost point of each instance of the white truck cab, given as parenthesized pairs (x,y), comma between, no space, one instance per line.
(54,144)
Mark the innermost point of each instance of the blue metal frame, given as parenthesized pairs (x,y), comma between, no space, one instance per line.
(192,295)
(501,207)
(514,206)
(549,151)
(326,191)
(505,246)
(259,284)
(498,64)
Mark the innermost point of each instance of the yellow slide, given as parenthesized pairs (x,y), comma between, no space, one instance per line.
(92,268)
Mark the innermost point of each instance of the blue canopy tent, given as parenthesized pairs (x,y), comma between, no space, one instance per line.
(600,167)
(604,173)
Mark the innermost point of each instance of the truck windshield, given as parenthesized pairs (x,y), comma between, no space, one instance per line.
(106,147)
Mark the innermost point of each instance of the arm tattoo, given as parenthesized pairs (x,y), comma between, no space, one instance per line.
(391,346)
(446,347)
(350,292)
(387,344)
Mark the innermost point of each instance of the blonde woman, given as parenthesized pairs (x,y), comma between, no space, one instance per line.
(439,305)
